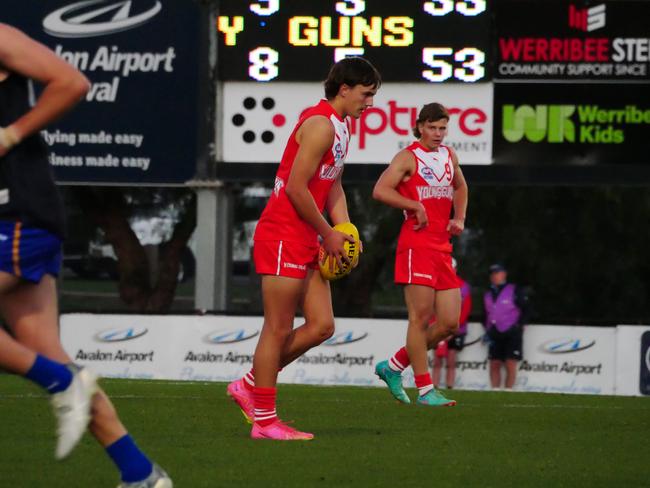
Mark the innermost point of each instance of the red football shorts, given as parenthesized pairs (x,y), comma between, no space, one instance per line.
(425,266)
(284,258)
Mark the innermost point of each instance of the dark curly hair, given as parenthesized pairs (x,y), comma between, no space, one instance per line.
(431,112)
(351,71)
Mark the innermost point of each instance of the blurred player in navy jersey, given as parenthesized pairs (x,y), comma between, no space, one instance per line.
(31,232)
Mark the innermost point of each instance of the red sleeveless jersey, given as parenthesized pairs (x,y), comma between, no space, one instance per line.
(431,184)
(279,220)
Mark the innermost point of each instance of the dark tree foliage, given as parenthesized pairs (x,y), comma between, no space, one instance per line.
(378,228)
(110,209)
(582,252)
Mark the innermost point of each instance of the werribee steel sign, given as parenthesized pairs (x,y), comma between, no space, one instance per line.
(139,121)
(576,40)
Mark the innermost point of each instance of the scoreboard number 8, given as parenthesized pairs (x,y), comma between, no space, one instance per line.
(263,63)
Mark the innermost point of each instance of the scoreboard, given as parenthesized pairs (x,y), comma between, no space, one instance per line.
(439,41)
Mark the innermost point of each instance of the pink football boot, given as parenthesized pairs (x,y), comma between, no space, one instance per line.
(279,431)
(242,397)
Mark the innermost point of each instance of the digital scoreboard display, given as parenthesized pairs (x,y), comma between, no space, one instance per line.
(441,41)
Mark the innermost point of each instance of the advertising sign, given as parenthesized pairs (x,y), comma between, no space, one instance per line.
(568,360)
(644,373)
(472,368)
(258,119)
(571,124)
(221,348)
(119,346)
(558,359)
(139,121)
(633,360)
(575,40)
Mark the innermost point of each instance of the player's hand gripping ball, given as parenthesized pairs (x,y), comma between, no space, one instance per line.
(352,251)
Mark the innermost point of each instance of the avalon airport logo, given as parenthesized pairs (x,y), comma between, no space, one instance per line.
(343,338)
(120,334)
(231,336)
(565,345)
(92,18)
(474,336)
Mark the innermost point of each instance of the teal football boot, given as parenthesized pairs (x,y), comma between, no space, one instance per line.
(434,398)
(393,380)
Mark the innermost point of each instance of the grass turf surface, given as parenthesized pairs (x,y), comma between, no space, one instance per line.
(363,439)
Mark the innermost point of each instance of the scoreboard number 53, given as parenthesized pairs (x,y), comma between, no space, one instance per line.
(470,58)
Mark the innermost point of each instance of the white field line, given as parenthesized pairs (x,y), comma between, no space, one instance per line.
(26,396)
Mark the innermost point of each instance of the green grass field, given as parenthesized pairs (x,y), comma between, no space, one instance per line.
(363,439)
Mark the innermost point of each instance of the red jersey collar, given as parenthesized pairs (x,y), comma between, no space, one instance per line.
(426,149)
(324,102)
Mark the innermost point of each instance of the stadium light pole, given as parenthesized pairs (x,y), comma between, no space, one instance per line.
(213,246)
(214,198)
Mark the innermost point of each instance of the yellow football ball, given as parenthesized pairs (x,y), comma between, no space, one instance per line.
(352,251)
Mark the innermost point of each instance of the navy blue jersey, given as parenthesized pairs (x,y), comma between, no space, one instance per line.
(27,190)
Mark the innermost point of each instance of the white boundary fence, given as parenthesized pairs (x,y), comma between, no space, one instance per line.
(589,360)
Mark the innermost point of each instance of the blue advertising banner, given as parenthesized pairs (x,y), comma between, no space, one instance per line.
(139,121)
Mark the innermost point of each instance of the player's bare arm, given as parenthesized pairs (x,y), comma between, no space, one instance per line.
(315,137)
(64,85)
(337,206)
(400,169)
(457,224)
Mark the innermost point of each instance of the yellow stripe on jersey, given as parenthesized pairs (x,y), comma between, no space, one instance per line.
(15,249)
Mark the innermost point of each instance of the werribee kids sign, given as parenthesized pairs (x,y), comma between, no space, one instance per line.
(573,123)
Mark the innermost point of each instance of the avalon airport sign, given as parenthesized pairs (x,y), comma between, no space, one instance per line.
(565,359)
(131,128)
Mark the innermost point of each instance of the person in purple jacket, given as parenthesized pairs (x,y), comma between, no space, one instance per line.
(506,310)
